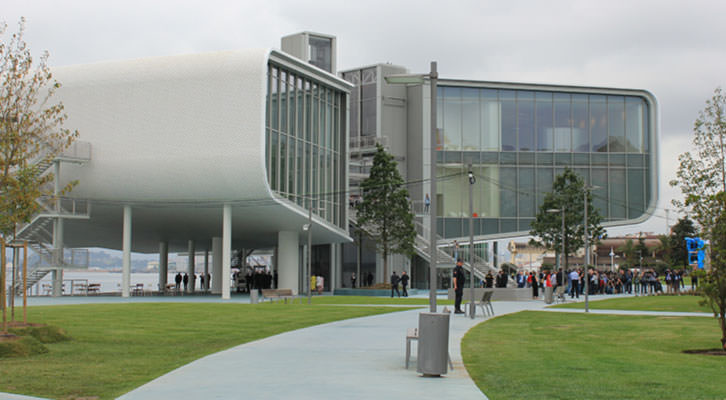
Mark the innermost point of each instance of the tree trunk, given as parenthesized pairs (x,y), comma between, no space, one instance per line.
(722,317)
(385,264)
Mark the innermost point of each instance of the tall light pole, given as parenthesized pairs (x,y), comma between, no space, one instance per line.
(586,190)
(419,79)
(472,180)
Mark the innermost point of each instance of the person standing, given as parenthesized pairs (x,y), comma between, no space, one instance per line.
(370,279)
(178,280)
(575,282)
(352,280)
(459,281)
(535,285)
(321,284)
(186,281)
(404,283)
(427,203)
(394,284)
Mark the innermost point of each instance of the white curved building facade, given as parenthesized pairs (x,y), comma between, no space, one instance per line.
(234,145)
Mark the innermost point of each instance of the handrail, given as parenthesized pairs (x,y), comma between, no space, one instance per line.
(364,142)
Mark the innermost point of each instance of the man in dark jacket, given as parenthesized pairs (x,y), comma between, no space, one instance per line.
(404,283)
(394,284)
(459,281)
(177,281)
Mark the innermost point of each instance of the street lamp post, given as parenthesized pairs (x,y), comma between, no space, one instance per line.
(433,77)
(472,180)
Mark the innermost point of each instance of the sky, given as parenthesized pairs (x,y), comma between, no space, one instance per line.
(674,49)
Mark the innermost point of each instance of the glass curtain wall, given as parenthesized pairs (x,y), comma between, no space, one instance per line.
(518,141)
(304,134)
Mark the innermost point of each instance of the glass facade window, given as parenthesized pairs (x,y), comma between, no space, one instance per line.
(304,134)
(518,142)
(321,52)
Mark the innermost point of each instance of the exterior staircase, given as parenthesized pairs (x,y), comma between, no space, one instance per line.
(444,251)
(39,231)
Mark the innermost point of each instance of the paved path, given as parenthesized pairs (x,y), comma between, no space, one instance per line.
(362,358)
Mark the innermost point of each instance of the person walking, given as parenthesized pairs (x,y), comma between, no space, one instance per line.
(404,283)
(459,281)
(394,284)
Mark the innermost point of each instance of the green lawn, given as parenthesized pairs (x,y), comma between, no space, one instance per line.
(118,347)
(420,301)
(684,303)
(545,355)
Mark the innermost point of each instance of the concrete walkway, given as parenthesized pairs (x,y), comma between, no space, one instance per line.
(362,358)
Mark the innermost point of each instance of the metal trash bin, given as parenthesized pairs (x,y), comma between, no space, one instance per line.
(549,298)
(253,296)
(433,344)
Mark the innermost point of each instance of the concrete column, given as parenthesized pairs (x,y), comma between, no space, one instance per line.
(126,267)
(58,257)
(206,269)
(217,265)
(190,265)
(334,272)
(163,265)
(287,260)
(226,249)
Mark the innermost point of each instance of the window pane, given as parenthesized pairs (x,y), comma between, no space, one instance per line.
(633,124)
(598,124)
(616,123)
(452,118)
(580,127)
(525,189)
(490,122)
(545,132)
(617,194)
(470,118)
(508,194)
(600,196)
(563,123)
(525,120)
(636,193)
(508,120)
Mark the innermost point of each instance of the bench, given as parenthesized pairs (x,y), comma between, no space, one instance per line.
(412,334)
(94,288)
(276,294)
(486,303)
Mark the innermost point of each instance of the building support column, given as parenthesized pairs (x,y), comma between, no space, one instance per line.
(226,249)
(126,267)
(190,266)
(217,265)
(288,275)
(206,270)
(163,265)
(58,257)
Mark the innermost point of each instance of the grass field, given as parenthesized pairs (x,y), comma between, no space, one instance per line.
(545,355)
(118,347)
(647,303)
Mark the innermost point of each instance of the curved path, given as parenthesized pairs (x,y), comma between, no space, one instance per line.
(361,358)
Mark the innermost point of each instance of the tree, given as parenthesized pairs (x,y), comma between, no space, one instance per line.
(679,232)
(384,211)
(630,254)
(31,131)
(642,250)
(567,193)
(702,180)
(701,176)
(712,284)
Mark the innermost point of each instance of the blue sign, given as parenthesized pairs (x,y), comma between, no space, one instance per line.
(696,251)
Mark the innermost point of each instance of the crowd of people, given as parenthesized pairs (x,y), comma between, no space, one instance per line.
(604,282)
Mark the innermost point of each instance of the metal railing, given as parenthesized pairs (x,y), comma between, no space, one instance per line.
(64,206)
(367,142)
(63,258)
